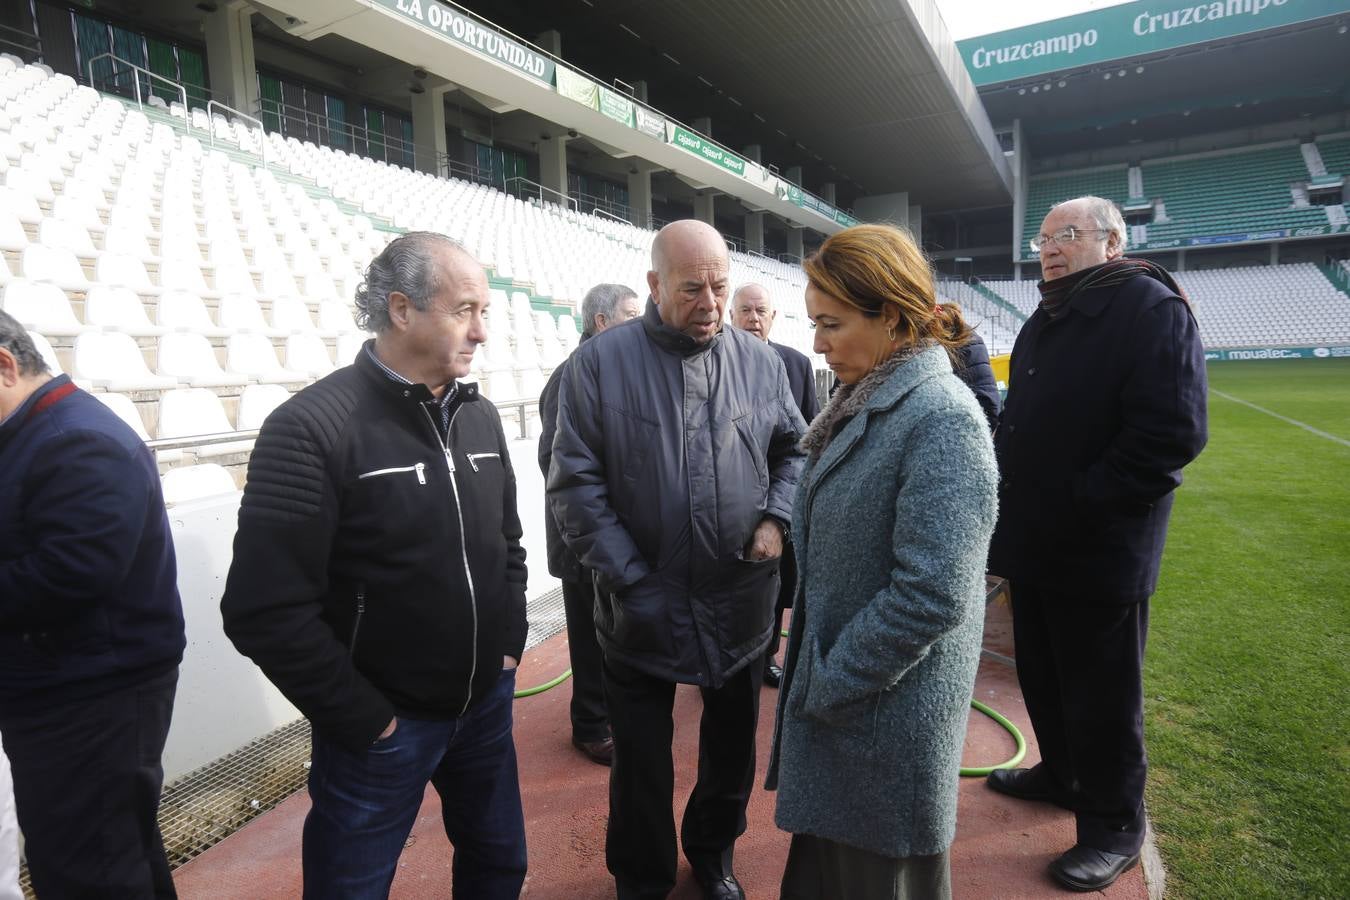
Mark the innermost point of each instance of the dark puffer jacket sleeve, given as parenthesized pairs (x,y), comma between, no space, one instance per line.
(272,601)
(785,460)
(577,491)
(973,368)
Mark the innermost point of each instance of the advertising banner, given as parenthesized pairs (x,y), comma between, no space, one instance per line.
(616,106)
(1131,29)
(578,87)
(650,124)
(683,137)
(1250,353)
(471,34)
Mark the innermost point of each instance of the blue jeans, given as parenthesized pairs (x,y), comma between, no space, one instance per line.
(364,804)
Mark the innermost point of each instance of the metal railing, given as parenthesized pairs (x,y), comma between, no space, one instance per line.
(212,105)
(136,81)
(449,167)
(597,204)
(22,40)
(202,440)
(610,215)
(330,132)
(563,200)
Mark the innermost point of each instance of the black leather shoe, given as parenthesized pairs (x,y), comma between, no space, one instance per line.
(1024,784)
(601,751)
(773,675)
(719,886)
(1089,869)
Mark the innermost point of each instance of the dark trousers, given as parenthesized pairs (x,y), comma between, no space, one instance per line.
(821,869)
(364,804)
(590,722)
(640,841)
(87,780)
(787,574)
(1080,665)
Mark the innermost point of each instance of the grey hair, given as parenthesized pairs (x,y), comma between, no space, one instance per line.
(1107,216)
(15,338)
(602,300)
(406,266)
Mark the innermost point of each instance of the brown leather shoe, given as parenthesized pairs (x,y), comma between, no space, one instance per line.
(600,752)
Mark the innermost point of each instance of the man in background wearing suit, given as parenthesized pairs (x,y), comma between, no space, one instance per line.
(752,310)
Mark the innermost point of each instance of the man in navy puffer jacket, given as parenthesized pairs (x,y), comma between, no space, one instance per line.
(91,633)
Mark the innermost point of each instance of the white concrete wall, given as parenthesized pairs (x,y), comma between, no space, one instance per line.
(224,701)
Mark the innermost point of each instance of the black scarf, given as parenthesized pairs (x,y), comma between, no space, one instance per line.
(1056,294)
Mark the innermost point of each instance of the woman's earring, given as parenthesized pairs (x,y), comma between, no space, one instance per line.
(890,333)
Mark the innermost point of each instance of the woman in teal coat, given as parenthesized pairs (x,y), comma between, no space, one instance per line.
(891,522)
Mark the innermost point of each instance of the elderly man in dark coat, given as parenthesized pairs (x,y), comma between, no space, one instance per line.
(752,310)
(672,478)
(604,306)
(1106,405)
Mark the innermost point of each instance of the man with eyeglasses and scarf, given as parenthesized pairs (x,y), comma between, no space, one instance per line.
(1106,405)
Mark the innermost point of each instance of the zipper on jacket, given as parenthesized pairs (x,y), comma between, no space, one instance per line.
(473,457)
(419,468)
(360,611)
(463,542)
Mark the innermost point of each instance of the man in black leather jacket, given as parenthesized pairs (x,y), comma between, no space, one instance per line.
(378,580)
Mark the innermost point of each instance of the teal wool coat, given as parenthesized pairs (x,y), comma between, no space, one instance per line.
(891,524)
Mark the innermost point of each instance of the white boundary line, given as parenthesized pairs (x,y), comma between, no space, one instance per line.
(1305,426)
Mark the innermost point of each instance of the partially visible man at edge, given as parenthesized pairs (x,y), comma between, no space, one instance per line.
(379,582)
(604,306)
(91,633)
(752,310)
(1106,404)
(672,479)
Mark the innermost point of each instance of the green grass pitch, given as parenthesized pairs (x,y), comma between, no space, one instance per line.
(1247,677)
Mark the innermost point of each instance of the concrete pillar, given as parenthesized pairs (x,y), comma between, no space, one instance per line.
(428,118)
(827,193)
(916,223)
(1274,254)
(703,125)
(793,174)
(704,204)
(229,57)
(754,232)
(640,90)
(796,247)
(640,198)
(893,208)
(553,165)
(551,41)
(1020,161)
(754,152)
(1017,271)
(1181,260)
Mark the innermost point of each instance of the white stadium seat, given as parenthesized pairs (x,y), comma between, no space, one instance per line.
(256,403)
(184,484)
(188,357)
(40,307)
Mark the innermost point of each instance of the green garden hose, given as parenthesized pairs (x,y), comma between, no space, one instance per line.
(546,686)
(976,771)
(981,771)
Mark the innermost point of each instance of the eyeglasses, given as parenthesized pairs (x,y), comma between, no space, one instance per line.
(1063,236)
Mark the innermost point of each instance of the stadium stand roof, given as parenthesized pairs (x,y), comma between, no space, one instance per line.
(875,89)
(1272,71)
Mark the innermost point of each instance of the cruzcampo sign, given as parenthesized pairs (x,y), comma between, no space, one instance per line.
(1127,30)
(473,35)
